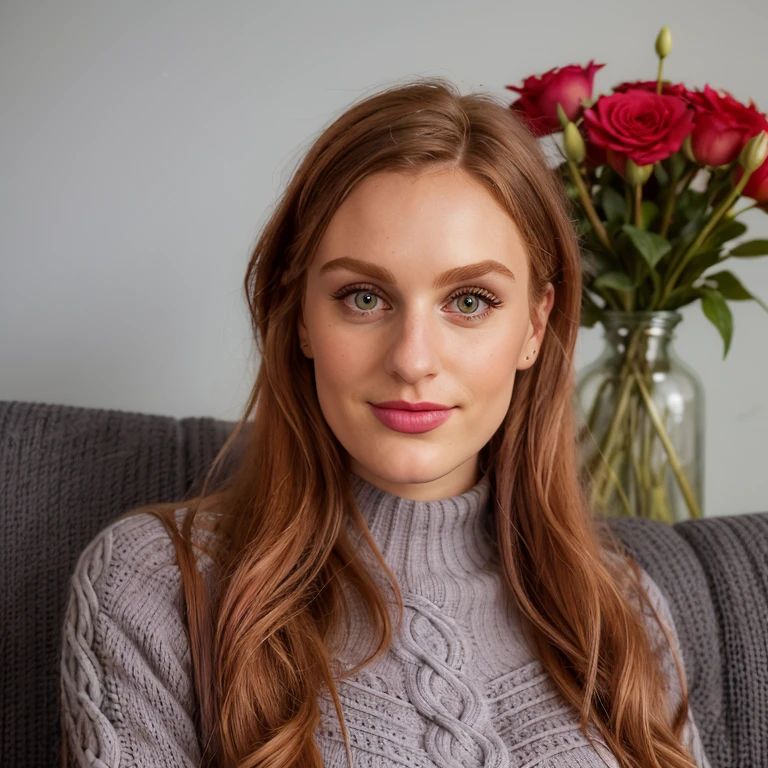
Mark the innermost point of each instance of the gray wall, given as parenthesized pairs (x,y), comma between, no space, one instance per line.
(142,145)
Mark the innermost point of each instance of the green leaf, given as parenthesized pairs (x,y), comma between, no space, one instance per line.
(597,261)
(723,233)
(718,312)
(612,204)
(751,248)
(583,226)
(620,281)
(731,288)
(649,245)
(661,174)
(677,164)
(698,265)
(572,191)
(648,212)
(682,298)
(690,210)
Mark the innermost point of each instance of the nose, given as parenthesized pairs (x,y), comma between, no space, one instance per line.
(414,350)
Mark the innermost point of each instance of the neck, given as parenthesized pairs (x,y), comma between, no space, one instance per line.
(450,536)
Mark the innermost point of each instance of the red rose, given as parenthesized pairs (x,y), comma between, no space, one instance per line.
(540,95)
(723,126)
(644,126)
(667,89)
(616,160)
(756,187)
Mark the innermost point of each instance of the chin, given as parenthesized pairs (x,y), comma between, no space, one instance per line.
(408,466)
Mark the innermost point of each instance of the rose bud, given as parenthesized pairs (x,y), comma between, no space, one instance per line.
(637,175)
(539,96)
(754,153)
(756,187)
(664,43)
(722,126)
(573,143)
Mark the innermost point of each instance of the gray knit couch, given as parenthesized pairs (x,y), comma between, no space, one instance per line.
(65,472)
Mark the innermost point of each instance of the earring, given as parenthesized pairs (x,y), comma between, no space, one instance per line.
(528,356)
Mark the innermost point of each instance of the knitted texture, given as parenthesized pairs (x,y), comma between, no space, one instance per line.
(65,472)
(459,687)
(715,574)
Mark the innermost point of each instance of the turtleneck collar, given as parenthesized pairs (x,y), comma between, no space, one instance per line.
(448,536)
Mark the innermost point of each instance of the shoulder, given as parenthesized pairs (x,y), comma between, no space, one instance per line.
(135,555)
(125,583)
(125,660)
(126,597)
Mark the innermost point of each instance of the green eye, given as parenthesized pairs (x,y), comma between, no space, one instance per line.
(470,302)
(468,299)
(367,301)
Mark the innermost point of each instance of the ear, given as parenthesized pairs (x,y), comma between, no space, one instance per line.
(537,329)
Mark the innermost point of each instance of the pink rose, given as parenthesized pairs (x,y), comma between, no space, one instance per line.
(723,126)
(667,89)
(643,126)
(540,95)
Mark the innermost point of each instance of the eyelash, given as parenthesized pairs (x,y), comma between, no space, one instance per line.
(487,296)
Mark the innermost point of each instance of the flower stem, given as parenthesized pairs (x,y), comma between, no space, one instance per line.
(702,236)
(589,209)
(595,466)
(672,195)
(742,210)
(604,495)
(596,404)
(645,461)
(608,299)
(674,461)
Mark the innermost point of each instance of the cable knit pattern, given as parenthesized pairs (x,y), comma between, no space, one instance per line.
(125,684)
(458,688)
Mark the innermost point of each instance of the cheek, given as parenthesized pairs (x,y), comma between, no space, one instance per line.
(489,359)
(333,361)
(487,369)
(341,362)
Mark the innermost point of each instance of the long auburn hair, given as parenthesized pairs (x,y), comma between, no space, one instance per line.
(260,640)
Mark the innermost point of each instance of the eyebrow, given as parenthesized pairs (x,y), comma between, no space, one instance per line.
(455,275)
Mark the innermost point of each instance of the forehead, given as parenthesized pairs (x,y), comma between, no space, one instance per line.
(443,217)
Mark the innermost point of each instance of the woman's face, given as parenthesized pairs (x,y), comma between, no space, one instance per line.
(412,327)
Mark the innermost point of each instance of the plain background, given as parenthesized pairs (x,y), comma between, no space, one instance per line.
(143,144)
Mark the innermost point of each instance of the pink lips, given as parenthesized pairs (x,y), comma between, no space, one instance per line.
(411,421)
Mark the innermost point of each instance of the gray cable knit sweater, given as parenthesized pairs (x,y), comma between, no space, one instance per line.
(458,688)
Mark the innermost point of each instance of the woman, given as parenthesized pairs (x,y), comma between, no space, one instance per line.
(409,444)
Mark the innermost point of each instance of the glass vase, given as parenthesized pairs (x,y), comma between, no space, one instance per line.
(641,422)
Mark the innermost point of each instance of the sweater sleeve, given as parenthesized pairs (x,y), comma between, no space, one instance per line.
(126,691)
(691,737)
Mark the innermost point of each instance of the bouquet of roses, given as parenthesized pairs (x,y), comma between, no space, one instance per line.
(655,172)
